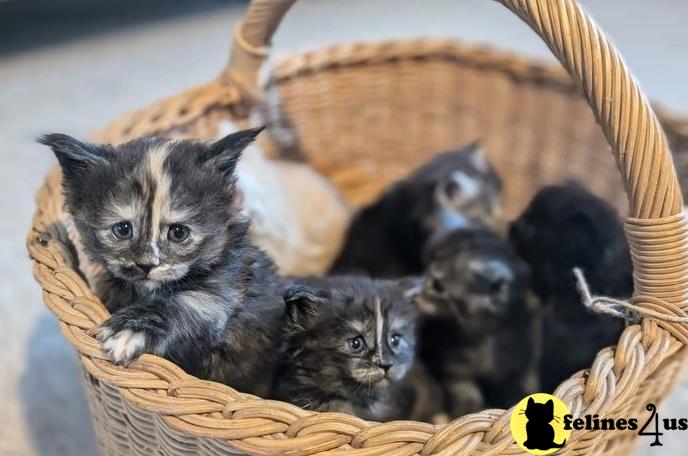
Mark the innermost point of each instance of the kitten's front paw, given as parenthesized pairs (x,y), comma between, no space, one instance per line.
(121,346)
(131,332)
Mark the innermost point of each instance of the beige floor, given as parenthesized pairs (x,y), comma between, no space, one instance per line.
(77,86)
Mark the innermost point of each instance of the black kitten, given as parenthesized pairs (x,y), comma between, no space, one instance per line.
(562,228)
(386,239)
(182,279)
(349,347)
(540,432)
(479,332)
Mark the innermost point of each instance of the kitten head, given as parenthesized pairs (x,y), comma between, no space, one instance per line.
(153,210)
(355,333)
(566,227)
(456,187)
(472,276)
(540,413)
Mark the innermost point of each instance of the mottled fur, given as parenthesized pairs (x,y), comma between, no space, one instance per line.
(210,302)
(386,239)
(323,371)
(562,228)
(479,331)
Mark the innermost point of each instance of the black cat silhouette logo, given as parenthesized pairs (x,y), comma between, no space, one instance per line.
(537,424)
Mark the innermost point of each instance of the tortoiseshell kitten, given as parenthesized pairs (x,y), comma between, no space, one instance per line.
(182,280)
(565,227)
(479,331)
(386,239)
(350,345)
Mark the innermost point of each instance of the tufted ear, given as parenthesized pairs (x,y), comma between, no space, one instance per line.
(303,303)
(224,154)
(75,157)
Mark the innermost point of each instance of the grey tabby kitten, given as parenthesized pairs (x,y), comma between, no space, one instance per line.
(386,238)
(479,332)
(182,280)
(350,348)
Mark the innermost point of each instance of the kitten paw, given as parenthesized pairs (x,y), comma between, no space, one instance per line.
(121,346)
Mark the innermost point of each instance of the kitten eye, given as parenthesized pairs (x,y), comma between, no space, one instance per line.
(452,189)
(356,344)
(395,340)
(437,286)
(178,233)
(123,230)
(496,287)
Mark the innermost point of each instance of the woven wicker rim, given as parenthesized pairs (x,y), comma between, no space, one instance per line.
(257,426)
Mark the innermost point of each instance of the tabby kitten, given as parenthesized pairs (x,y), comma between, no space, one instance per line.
(349,348)
(386,239)
(479,331)
(182,280)
(566,227)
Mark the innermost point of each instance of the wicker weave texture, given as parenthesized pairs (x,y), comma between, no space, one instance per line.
(364,115)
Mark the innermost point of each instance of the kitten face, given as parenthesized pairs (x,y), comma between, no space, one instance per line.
(358,333)
(472,274)
(462,187)
(152,210)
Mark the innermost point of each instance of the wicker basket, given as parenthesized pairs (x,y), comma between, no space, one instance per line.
(363,115)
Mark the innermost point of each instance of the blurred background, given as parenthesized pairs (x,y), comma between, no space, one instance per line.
(74,65)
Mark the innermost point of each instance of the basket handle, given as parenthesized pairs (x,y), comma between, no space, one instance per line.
(656,230)
(639,144)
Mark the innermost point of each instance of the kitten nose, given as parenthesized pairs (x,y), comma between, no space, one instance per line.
(145,267)
(385,365)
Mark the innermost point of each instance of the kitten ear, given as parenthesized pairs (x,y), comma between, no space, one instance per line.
(225,153)
(550,405)
(413,291)
(477,156)
(303,302)
(531,401)
(73,155)
(412,286)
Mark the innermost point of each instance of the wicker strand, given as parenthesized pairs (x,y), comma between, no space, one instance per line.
(188,405)
(628,121)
